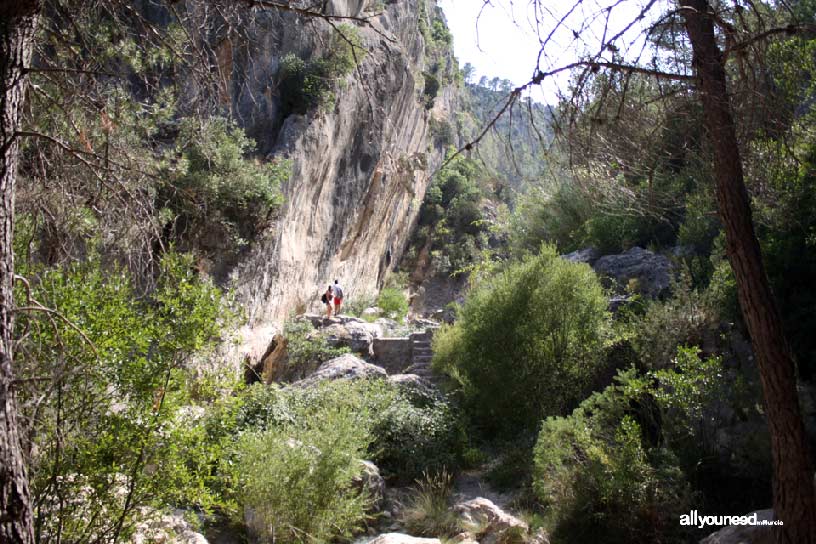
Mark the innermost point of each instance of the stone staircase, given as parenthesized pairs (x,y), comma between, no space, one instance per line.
(421,354)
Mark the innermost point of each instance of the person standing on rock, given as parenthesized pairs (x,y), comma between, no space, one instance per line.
(327,300)
(337,291)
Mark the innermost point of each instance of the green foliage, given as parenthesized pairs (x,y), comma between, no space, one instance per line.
(787,231)
(415,436)
(450,219)
(512,470)
(410,434)
(297,479)
(442,67)
(306,346)
(629,460)
(557,216)
(537,328)
(309,84)
(212,184)
(356,304)
(596,474)
(100,385)
(393,302)
(684,319)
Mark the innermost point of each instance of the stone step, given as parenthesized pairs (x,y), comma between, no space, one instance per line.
(425,359)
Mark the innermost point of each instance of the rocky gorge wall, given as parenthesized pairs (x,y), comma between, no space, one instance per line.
(359,170)
(360,166)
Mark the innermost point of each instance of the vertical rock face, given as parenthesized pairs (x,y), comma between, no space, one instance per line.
(359,170)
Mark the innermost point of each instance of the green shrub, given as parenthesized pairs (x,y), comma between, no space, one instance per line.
(100,390)
(527,341)
(452,218)
(305,345)
(306,85)
(595,474)
(393,302)
(631,459)
(411,435)
(684,319)
(556,216)
(296,480)
(356,304)
(211,183)
(412,438)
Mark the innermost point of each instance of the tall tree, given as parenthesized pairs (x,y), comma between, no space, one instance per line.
(794,497)
(18,23)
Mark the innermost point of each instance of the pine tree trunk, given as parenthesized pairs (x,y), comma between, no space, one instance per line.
(18,20)
(794,499)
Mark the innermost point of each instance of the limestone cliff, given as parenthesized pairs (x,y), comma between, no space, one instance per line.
(360,169)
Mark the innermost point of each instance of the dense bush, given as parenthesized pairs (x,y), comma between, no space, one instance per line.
(102,376)
(687,318)
(632,458)
(296,480)
(414,437)
(306,346)
(411,434)
(556,216)
(309,84)
(450,219)
(393,303)
(527,341)
(596,474)
(211,184)
(568,216)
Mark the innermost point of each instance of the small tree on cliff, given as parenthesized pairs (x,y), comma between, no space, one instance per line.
(696,43)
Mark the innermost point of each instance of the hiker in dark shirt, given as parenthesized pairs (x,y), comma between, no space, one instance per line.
(327,300)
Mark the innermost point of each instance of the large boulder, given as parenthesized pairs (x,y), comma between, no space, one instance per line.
(415,387)
(373,483)
(492,524)
(357,335)
(587,255)
(274,363)
(345,367)
(746,534)
(400,538)
(168,528)
(651,271)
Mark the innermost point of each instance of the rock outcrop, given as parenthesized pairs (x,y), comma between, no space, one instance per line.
(345,367)
(356,335)
(745,534)
(359,168)
(491,523)
(169,528)
(587,255)
(651,272)
(372,483)
(400,538)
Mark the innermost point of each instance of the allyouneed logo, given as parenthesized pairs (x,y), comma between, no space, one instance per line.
(693,518)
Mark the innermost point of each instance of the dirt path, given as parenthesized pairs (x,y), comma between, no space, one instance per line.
(470,484)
